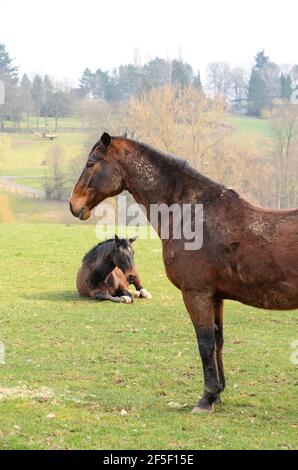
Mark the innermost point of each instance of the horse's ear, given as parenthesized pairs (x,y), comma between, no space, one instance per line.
(131,240)
(117,241)
(106,139)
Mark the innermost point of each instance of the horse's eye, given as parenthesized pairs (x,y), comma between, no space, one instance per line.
(89,164)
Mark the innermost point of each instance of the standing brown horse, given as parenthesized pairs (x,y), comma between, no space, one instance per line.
(248,254)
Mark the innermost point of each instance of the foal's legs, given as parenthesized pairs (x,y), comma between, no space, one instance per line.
(102,296)
(125,296)
(200,307)
(140,291)
(123,292)
(218,332)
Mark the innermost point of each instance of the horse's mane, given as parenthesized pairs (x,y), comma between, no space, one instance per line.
(178,164)
(94,252)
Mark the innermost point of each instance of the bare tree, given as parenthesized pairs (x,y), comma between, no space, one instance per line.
(284,131)
(219,79)
(239,84)
(55,179)
(179,120)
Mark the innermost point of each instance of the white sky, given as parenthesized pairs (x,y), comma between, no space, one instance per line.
(62,37)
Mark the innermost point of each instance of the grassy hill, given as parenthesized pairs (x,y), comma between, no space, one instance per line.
(27,153)
(72,365)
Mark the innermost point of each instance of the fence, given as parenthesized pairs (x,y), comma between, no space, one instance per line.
(21,190)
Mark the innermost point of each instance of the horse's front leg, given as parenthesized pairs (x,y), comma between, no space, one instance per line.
(140,291)
(125,295)
(219,340)
(200,306)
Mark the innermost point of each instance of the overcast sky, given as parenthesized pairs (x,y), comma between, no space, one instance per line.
(63,37)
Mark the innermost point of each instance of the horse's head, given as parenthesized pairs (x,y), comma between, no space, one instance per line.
(102,177)
(123,257)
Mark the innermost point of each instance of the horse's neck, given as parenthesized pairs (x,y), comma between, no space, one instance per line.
(158,179)
(104,266)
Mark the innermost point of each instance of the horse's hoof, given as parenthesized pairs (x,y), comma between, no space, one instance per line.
(145,294)
(218,401)
(125,299)
(202,409)
(136,294)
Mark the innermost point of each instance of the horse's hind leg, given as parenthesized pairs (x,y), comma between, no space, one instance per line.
(201,309)
(219,340)
(101,296)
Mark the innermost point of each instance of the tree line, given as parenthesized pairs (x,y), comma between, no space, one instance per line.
(165,103)
(250,91)
(38,97)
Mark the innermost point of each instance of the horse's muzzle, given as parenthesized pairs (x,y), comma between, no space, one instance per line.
(130,278)
(83,213)
(74,213)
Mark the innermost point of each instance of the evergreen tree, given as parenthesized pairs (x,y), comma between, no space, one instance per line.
(9,78)
(197,82)
(130,80)
(48,90)
(37,97)
(26,87)
(156,72)
(26,82)
(181,73)
(8,72)
(256,93)
(101,85)
(86,82)
(264,84)
(285,86)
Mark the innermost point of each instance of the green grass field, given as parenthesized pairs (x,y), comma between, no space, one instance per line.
(27,153)
(73,365)
(18,209)
(247,124)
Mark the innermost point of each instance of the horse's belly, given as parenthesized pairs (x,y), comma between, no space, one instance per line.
(283,296)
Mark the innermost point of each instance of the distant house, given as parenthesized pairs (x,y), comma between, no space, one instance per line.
(238,106)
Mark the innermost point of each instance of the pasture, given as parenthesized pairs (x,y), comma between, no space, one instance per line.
(26,153)
(18,209)
(247,125)
(80,374)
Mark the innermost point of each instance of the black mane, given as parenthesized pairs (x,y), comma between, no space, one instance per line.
(101,247)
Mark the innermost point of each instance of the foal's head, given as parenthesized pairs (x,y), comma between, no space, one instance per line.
(102,176)
(123,256)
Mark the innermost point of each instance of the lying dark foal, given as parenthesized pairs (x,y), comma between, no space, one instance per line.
(107,270)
